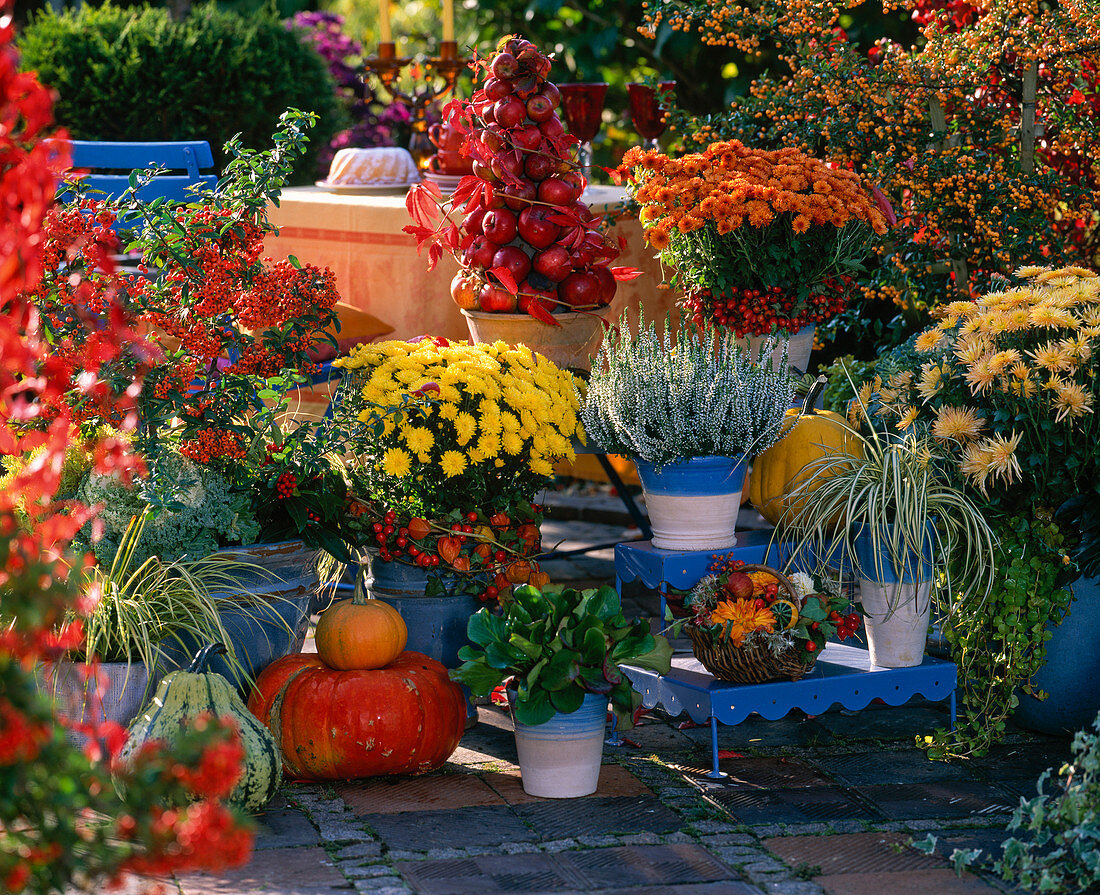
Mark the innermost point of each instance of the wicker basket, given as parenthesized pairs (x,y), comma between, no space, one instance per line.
(752,664)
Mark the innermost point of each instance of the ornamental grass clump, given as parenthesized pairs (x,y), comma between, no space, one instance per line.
(689,393)
(761,241)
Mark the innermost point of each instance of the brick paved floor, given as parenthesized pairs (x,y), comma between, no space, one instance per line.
(825,805)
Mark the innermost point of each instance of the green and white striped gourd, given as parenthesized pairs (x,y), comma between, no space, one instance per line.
(184,695)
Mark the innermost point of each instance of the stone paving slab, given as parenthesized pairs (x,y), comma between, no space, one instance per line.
(883,723)
(852,853)
(655,867)
(283,828)
(436,792)
(574,818)
(424,830)
(792,806)
(758,773)
(614,781)
(910,766)
(287,871)
(955,798)
(912,882)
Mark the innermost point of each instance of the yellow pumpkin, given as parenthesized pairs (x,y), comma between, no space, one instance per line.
(360,634)
(781,468)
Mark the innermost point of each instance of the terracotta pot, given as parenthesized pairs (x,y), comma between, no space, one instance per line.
(571,345)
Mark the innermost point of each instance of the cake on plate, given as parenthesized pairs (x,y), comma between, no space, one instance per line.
(375,166)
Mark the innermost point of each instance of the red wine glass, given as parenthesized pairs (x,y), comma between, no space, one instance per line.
(646,112)
(582,108)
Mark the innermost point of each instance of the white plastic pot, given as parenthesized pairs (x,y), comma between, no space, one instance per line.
(897,616)
(561,759)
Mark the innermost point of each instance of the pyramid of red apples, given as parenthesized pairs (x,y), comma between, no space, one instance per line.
(527,243)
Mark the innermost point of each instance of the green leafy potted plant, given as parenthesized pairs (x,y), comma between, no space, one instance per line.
(895,515)
(562,651)
(690,408)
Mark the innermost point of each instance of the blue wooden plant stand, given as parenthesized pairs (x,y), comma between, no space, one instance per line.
(842,675)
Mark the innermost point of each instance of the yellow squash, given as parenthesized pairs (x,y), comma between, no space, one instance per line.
(781,468)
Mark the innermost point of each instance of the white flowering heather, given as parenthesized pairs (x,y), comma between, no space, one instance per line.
(695,394)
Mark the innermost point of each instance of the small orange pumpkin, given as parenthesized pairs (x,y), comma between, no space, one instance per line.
(360,634)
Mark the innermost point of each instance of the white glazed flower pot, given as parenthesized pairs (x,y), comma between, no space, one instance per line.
(693,504)
(561,759)
(896,639)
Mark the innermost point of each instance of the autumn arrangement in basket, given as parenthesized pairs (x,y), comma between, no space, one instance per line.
(452,476)
(761,241)
(753,624)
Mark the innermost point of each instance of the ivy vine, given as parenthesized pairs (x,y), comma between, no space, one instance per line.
(998,640)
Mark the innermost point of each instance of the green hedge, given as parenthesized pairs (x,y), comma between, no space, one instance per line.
(134,74)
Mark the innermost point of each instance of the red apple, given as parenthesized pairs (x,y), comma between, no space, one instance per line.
(507,163)
(496,298)
(484,172)
(505,67)
(509,112)
(519,196)
(525,86)
(499,226)
(551,92)
(577,182)
(496,89)
(527,137)
(554,263)
(531,295)
(514,260)
(539,166)
(608,284)
(539,108)
(479,253)
(534,227)
(581,289)
(465,290)
(552,127)
(492,138)
(486,111)
(739,585)
(473,221)
(555,191)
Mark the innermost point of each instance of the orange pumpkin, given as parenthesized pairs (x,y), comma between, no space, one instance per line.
(406,718)
(360,633)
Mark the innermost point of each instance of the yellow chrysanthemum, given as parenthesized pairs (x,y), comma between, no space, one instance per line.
(465,428)
(418,439)
(489,444)
(448,411)
(511,442)
(452,463)
(960,424)
(741,617)
(541,466)
(396,462)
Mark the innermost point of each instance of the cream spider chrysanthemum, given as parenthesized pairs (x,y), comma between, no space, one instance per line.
(1017,319)
(1002,457)
(975,464)
(929,340)
(930,382)
(971,348)
(1052,356)
(981,376)
(1032,270)
(1002,360)
(1071,400)
(960,424)
(1051,317)
(908,418)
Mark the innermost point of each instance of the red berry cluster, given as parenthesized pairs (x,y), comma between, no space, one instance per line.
(285,485)
(529,244)
(757,312)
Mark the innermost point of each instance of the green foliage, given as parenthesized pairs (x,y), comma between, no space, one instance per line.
(1056,843)
(844,375)
(997,640)
(692,393)
(195,511)
(134,74)
(558,646)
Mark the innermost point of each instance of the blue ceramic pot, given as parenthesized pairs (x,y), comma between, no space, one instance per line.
(693,503)
(1071,670)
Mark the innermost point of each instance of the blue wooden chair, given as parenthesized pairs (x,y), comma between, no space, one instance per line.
(110,163)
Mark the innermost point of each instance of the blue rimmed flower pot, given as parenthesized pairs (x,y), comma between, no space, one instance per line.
(693,503)
(897,603)
(561,758)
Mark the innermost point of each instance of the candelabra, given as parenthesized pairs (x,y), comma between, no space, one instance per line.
(387,66)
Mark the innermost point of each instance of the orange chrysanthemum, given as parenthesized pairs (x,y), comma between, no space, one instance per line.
(741,617)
